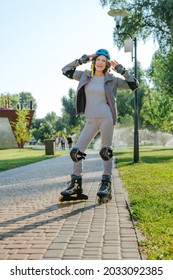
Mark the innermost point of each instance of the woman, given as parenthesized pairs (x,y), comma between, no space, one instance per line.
(96,95)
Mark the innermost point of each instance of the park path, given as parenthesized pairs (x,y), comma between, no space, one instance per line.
(34,226)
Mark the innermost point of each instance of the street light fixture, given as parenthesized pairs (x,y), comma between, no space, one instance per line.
(118,14)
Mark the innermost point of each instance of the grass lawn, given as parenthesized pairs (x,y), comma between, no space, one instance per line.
(11,158)
(149,184)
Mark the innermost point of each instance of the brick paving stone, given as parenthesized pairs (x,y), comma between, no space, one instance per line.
(39,246)
(57,246)
(95,239)
(53,254)
(17,257)
(130,244)
(94,245)
(111,256)
(73,252)
(34,225)
(111,249)
(76,245)
(17,246)
(62,238)
(35,257)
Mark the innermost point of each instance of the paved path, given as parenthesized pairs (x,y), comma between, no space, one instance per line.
(34,226)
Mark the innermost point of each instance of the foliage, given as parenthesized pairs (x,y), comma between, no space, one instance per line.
(157,111)
(51,118)
(25,100)
(150,190)
(15,101)
(21,127)
(69,111)
(125,99)
(46,131)
(161,72)
(145,18)
(126,121)
(125,106)
(47,127)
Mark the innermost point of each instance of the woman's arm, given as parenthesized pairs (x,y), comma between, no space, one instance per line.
(119,68)
(70,69)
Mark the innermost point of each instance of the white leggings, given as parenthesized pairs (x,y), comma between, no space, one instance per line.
(92,127)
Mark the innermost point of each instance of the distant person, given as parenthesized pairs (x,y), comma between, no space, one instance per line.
(96,99)
(69,141)
(62,142)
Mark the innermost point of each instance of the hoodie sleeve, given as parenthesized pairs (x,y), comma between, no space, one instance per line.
(70,70)
(129,82)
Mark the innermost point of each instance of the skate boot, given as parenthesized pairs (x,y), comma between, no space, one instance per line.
(74,190)
(104,192)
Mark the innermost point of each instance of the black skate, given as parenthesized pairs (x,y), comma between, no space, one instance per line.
(104,192)
(74,192)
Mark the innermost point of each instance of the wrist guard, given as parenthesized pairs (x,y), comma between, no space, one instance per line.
(83,59)
(120,69)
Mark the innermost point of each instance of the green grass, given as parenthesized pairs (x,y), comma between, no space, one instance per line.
(11,158)
(149,184)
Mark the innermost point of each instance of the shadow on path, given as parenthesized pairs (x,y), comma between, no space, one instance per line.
(43,222)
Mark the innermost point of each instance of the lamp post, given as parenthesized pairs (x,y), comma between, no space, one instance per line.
(118,14)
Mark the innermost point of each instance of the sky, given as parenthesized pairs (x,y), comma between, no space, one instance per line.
(39,37)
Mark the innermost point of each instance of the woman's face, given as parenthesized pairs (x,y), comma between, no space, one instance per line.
(100,63)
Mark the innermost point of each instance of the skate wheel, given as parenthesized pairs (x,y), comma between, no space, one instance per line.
(72,198)
(103,200)
(99,200)
(60,198)
(83,197)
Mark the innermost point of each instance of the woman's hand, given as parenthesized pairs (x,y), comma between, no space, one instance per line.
(114,63)
(90,56)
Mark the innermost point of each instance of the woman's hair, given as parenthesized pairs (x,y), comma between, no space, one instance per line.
(108,65)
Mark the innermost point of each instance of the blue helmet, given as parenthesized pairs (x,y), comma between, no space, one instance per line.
(103,52)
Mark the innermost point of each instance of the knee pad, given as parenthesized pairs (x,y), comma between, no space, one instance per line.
(106,153)
(77,155)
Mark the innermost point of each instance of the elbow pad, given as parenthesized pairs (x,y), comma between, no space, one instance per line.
(120,69)
(83,59)
(133,85)
(69,73)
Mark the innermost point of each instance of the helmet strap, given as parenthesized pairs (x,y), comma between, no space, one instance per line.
(92,69)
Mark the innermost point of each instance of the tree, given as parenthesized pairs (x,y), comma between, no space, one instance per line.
(60,125)
(26,99)
(22,100)
(52,118)
(69,111)
(46,131)
(42,129)
(146,18)
(21,127)
(125,99)
(124,104)
(157,111)
(161,72)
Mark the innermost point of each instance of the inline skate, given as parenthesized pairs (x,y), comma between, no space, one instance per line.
(74,192)
(104,192)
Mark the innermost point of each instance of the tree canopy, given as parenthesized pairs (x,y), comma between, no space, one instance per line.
(145,18)
(22,100)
